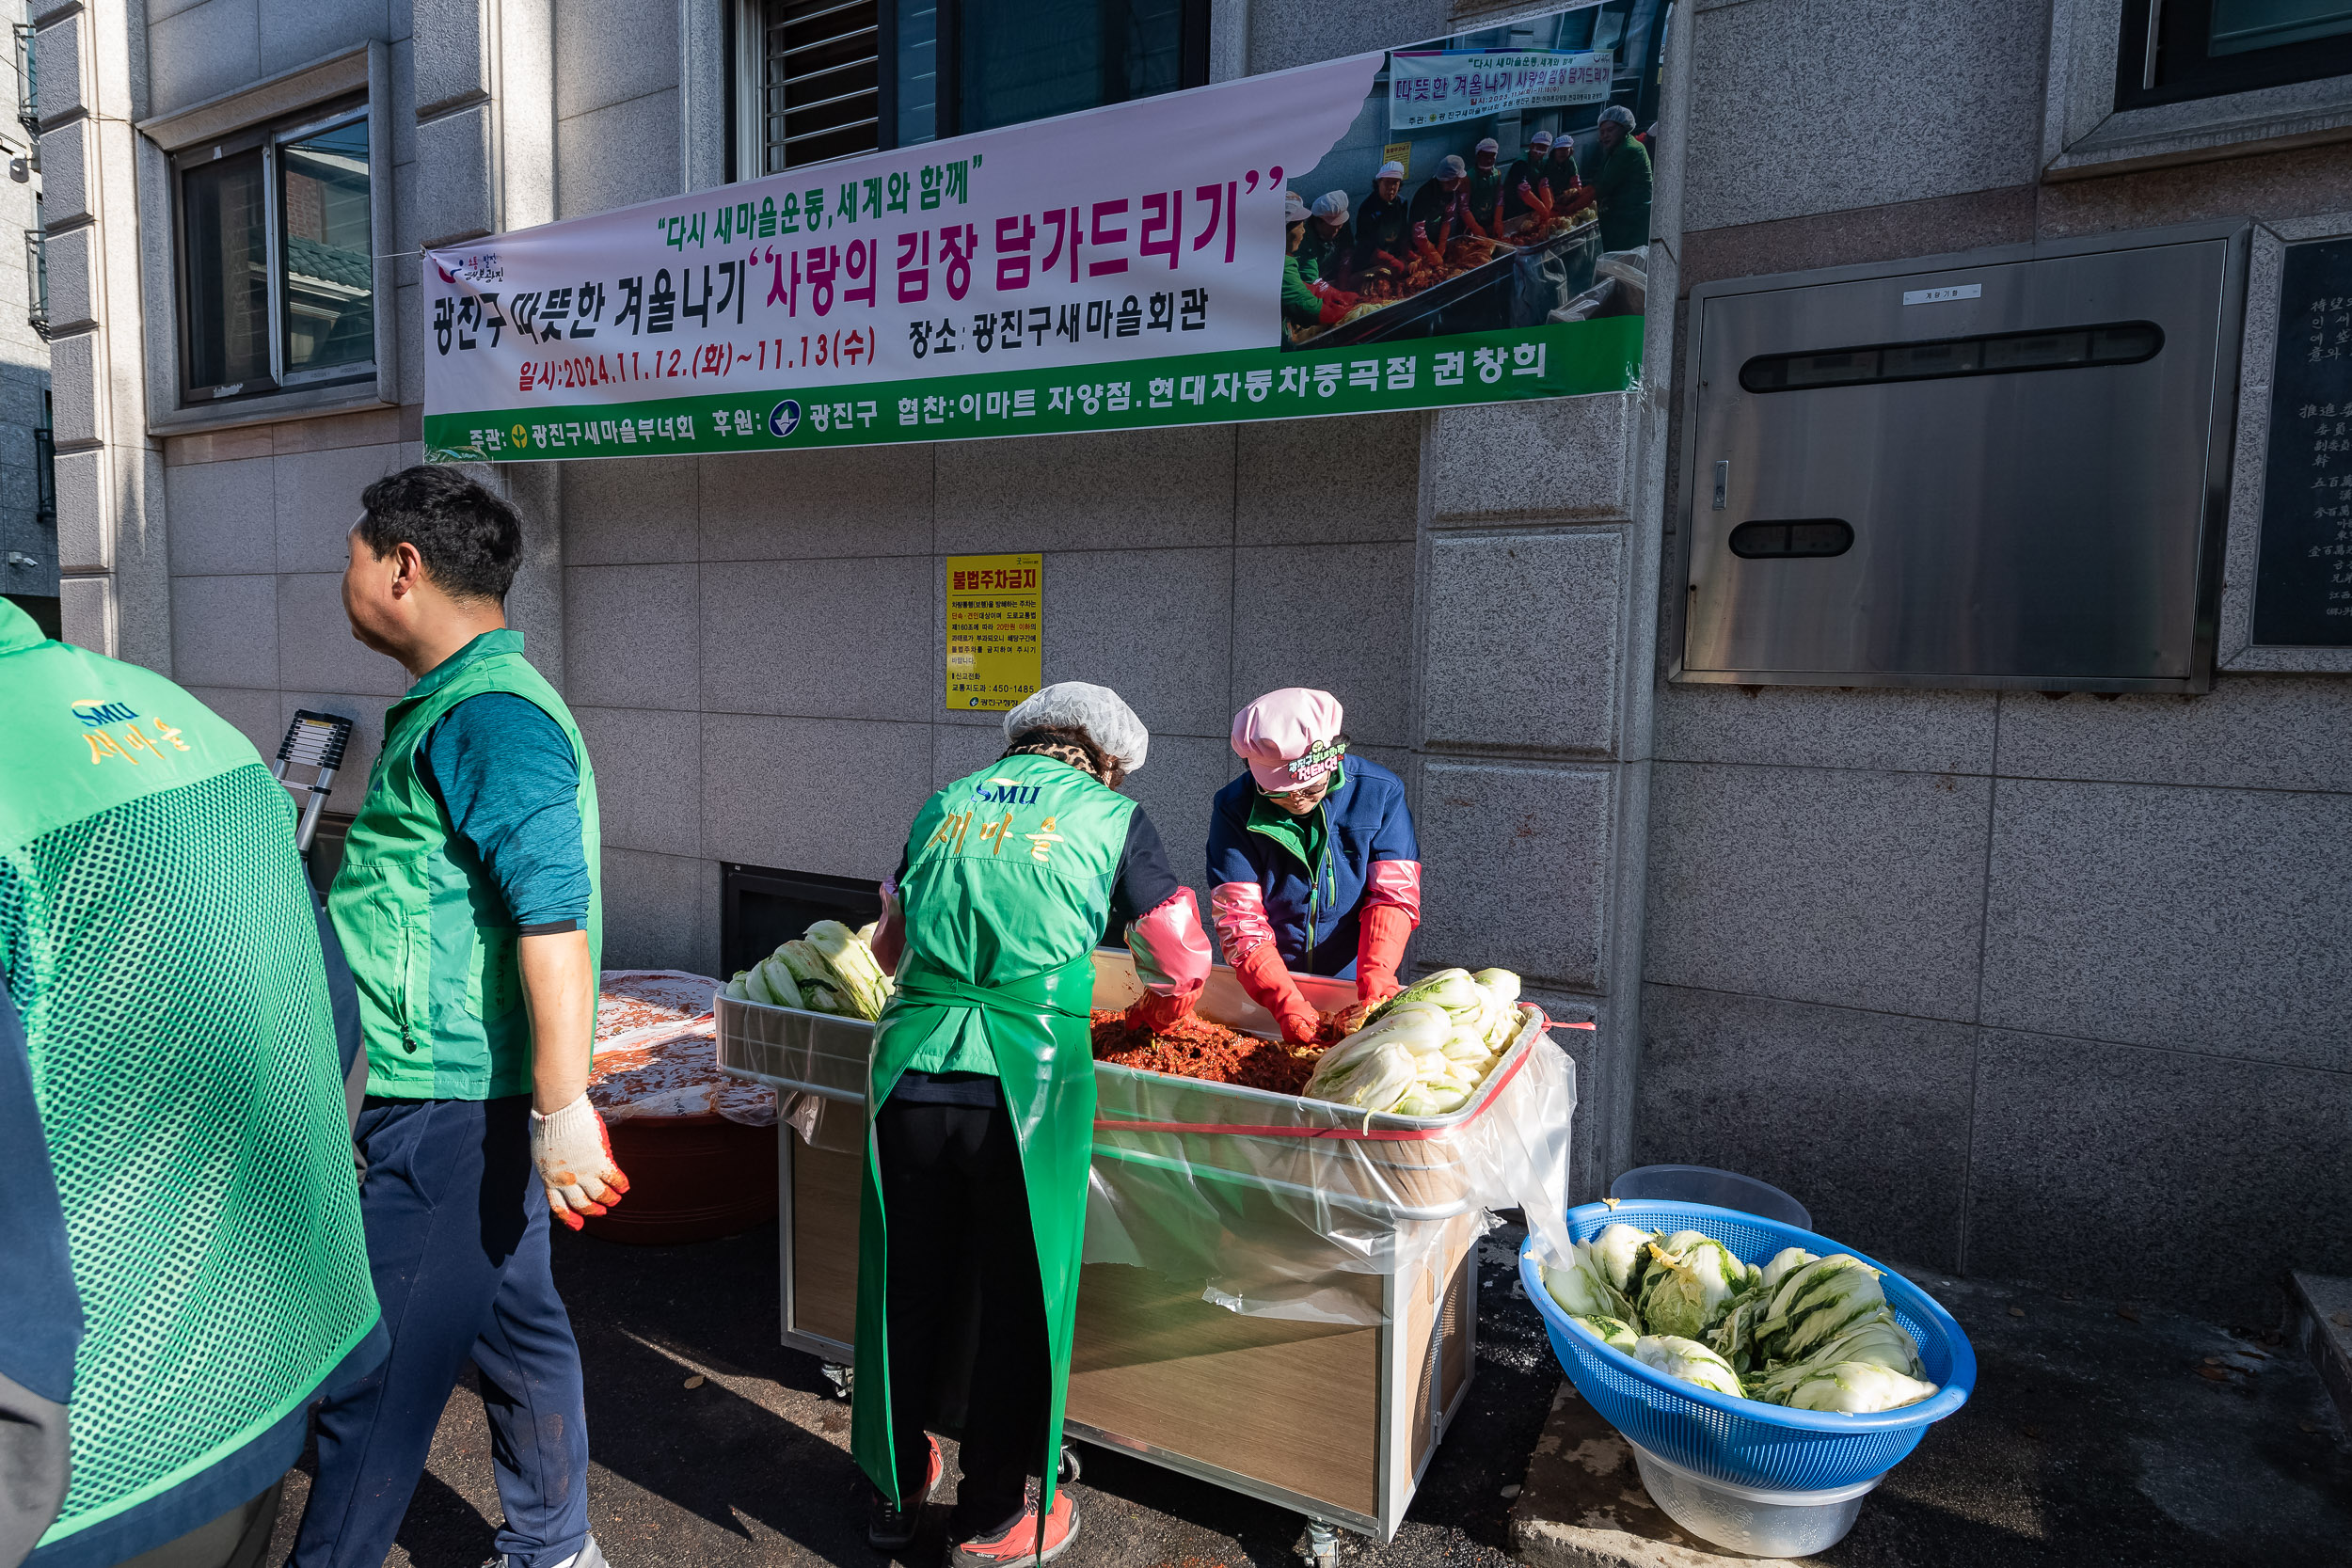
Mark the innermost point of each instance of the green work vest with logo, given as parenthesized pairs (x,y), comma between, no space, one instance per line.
(158,940)
(431,943)
(1010,874)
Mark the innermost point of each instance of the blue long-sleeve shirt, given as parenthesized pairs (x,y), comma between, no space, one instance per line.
(506,773)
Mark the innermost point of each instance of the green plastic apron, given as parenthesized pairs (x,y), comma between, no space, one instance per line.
(1009,884)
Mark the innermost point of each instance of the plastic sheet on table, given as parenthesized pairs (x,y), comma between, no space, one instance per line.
(635,1006)
(655,1053)
(1269,1201)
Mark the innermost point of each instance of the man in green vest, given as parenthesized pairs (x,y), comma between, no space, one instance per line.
(467,903)
(181,1268)
(981,1109)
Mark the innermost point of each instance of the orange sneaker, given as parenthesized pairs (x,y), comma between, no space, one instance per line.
(892,1529)
(1018,1541)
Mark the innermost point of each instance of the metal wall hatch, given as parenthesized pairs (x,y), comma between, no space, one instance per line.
(2008,469)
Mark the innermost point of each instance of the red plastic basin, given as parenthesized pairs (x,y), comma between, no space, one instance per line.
(691,1179)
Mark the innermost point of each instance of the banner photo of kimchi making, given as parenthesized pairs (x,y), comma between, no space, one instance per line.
(1463,221)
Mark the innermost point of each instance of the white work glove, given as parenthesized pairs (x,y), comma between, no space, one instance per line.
(575,1162)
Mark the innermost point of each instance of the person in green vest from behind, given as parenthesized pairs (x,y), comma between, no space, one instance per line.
(1621,181)
(181,1268)
(980,1109)
(467,903)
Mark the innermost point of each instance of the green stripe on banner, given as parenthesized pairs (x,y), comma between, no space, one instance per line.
(1567,359)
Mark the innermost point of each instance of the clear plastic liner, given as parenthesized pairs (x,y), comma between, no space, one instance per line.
(1271,1201)
(1277,1206)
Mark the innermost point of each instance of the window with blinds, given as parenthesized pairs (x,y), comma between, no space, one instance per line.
(820,80)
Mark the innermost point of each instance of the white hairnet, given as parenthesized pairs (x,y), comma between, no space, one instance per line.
(1332,204)
(1096,709)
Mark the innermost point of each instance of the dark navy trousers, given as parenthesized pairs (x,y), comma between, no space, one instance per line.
(457,1238)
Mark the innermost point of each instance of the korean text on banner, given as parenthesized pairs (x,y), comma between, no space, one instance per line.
(1441,86)
(996,622)
(1124,267)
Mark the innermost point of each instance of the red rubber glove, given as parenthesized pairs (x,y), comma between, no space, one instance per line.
(1381,933)
(1269,985)
(1154,1013)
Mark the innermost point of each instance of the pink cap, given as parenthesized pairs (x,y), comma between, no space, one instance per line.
(1290,737)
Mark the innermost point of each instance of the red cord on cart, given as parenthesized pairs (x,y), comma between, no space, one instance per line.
(1485,1097)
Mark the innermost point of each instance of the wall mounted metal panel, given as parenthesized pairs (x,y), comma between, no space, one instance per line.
(2028,447)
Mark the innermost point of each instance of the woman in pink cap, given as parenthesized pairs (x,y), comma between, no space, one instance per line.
(1312,858)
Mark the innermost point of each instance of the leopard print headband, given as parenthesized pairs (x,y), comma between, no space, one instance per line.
(1074,755)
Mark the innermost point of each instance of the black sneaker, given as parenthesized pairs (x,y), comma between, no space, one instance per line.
(892,1529)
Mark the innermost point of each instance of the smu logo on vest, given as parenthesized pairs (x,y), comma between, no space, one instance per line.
(1006,792)
(98,713)
(94,711)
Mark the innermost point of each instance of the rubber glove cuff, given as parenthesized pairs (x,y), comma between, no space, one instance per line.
(1381,933)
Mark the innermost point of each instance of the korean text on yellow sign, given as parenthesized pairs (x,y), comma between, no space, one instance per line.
(994,627)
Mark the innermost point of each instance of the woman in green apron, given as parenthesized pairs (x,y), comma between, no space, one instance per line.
(981,1109)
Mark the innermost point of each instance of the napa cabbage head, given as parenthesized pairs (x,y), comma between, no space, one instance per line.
(1577,1283)
(1855,1387)
(1618,1247)
(1370,1080)
(1785,1262)
(1613,1332)
(1733,1337)
(1816,1302)
(1878,1340)
(1688,1284)
(1689,1360)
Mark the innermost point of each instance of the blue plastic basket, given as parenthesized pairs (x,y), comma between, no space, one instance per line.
(1748,1442)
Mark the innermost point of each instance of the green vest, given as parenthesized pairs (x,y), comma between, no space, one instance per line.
(1010,874)
(158,940)
(422,920)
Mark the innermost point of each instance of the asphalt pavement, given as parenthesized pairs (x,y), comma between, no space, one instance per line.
(750,1464)
(2103,1435)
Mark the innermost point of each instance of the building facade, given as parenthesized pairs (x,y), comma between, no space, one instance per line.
(2038,983)
(28,494)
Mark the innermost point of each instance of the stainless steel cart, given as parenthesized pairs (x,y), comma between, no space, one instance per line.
(1337,1419)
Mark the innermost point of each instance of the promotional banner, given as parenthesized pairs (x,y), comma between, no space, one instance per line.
(1242,251)
(1442,87)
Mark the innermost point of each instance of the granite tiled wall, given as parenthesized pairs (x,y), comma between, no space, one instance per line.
(1971,971)
(757,652)
(1532,780)
(2070,899)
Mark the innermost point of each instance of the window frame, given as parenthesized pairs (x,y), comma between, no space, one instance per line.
(2084,134)
(269,139)
(351,86)
(747,116)
(2174,31)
